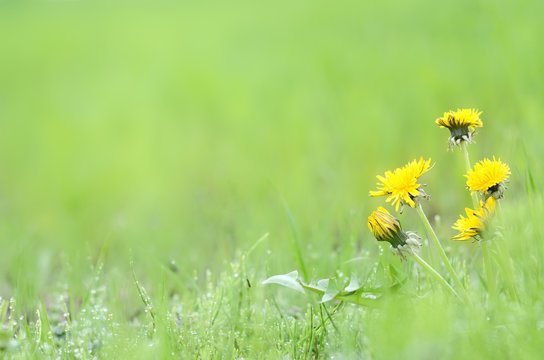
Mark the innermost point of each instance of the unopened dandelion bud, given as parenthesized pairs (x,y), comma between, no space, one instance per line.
(385,227)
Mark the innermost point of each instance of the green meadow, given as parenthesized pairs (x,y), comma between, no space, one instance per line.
(160,160)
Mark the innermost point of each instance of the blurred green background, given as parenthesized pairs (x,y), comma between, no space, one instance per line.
(177,130)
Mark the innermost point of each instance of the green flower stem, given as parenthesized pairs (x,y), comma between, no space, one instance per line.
(505,265)
(502,261)
(485,247)
(488,271)
(435,274)
(441,251)
(474,195)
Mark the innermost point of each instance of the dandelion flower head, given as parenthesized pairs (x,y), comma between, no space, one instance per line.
(461,123)
(385,227)
(488,177)
(475,221)
(401,185)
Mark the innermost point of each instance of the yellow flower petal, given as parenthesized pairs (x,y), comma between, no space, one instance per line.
(401,185)
(487,174)
(475,221)
(461,118)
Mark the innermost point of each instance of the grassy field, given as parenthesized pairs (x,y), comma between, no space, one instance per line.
(159,160)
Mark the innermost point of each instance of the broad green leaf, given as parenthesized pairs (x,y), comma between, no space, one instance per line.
(323,284)
(289,280)
(353,284)
(359,298)
(331,292)
(313,287)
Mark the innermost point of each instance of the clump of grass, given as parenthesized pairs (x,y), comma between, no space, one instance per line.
(56,329)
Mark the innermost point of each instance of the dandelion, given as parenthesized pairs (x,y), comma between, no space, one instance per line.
(401,185)
(461,123)
(386,227)
(489,178)
(474,224)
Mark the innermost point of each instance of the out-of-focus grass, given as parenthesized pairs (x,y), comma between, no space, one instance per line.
(176,131)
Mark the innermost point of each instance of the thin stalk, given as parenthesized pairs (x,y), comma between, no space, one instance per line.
(435,274)
(438,245)
(486,256)
(505,265)
(296,242)
(487,265)
(474,195)
(503,261)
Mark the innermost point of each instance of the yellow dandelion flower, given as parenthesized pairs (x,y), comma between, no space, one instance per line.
(488,177)
(461,123)
(474,223)
(401,185)
(386,227)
